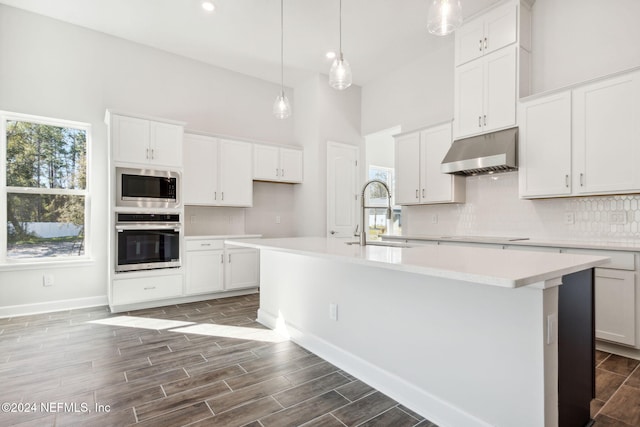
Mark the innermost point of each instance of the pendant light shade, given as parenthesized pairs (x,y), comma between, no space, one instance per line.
(281,106)
(340,73)
(445,16)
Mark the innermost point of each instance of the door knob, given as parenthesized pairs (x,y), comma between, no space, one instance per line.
(332,232)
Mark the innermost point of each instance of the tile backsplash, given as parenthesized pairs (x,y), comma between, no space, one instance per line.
(493,208)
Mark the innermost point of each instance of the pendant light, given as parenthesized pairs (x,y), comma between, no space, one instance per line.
(445,16)
(281,106)
(340,72)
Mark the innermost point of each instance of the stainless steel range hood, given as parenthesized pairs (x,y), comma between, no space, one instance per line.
(489,153)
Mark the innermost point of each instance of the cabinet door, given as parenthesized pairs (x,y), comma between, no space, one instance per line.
(141,289)
(545,146)
(241,270)
(499,109)
(407,162)
(165,144)
(615,306)
(436,187)
(204,271)
(290,165)
(469,41)
(130,139)
(468,104)
(500,28)
(607,135)
(236,184)
(266,166)
(199,179)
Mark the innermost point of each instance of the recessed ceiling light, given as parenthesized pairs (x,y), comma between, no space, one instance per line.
(208,6)
(330,55)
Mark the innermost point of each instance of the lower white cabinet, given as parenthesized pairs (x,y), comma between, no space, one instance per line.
(616,305)
(241,269)
(141,289)
(212,267)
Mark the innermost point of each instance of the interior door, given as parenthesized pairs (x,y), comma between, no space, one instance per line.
(342,189)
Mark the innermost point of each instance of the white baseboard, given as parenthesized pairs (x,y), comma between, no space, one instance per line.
(429,406)
(121,308)
(50,306)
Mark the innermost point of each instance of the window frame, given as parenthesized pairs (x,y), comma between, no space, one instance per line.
(5,190)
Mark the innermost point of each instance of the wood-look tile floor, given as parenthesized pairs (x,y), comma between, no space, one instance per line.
(617,402)
(78,371)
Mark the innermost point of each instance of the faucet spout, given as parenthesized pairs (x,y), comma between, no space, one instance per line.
(363,233)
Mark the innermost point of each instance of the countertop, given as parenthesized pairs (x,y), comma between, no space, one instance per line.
(630,245)
(224,236)
(496,267)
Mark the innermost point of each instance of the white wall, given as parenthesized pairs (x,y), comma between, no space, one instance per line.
(54,69)
(577,40)
(413,96)
(380,148)
(322,114)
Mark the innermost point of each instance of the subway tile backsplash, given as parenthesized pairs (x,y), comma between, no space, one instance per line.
(493,208)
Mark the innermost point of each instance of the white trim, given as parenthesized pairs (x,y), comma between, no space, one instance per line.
(52,306)
(393,386)
(119,308)
(46,263)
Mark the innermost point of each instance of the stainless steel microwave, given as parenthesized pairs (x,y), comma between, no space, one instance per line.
(145,188)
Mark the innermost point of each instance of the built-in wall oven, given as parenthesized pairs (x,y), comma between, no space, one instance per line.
(145,188)
(146,241)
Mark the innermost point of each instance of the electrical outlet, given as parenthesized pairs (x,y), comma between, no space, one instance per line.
(277,219)
(333,311)
(617,218)
(569,218)
(434,219)
(47,280)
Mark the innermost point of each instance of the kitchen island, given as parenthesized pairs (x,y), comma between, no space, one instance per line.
(464,336)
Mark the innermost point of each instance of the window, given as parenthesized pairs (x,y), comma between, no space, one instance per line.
(44,192)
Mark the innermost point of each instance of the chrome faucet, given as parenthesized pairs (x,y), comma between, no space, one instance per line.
(363,231)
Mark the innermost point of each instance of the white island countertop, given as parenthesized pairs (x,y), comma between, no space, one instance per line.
(496,267)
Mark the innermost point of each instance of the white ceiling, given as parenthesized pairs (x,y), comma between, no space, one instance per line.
(244,35)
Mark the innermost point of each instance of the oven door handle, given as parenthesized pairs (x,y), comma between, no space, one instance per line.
(121,228)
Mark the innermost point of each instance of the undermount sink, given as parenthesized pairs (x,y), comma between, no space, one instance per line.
(379,243)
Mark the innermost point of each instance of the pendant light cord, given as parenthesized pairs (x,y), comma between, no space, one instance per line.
(341,29)
(282,47)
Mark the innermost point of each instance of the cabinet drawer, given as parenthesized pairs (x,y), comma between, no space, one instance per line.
(204,244)
(619,260)
(128,291)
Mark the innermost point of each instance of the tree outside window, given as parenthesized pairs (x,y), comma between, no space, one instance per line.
(376,196)
(45,187)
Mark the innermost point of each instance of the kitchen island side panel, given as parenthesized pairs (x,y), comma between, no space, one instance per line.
(456,352)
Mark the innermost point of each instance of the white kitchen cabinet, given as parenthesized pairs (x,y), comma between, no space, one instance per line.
(145,142)
(582,141)
(486,33)
(204,266)
(545,146)
(136,288)
(212,267)
(272,163)
(486,93)
(242,268)
(615,295)
(606,139)
(217,172)
(418,176)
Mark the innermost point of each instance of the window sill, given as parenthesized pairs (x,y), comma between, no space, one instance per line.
(41,265)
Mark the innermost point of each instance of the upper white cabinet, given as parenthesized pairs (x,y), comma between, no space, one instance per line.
(418,177)
(545,146)
(145,142)
(584,141)
(486,33)
(485,93)
(217,172)
(492,69)
(271,163)
(606,138)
